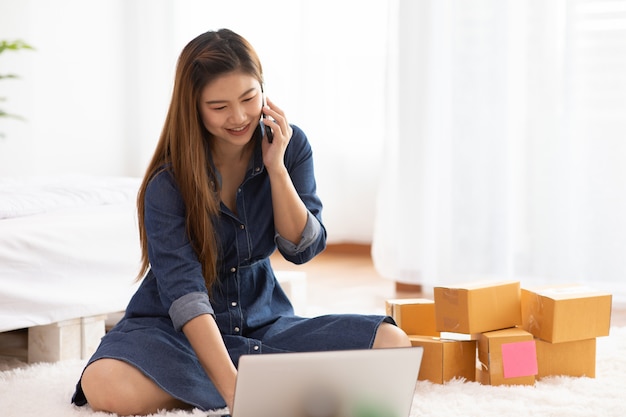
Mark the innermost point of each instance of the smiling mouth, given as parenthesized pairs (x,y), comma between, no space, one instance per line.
(239,130)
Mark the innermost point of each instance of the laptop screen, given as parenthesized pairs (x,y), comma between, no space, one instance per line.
(351,383)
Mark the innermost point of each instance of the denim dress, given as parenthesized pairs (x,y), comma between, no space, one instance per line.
(252,312)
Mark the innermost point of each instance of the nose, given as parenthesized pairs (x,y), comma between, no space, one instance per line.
(238,115)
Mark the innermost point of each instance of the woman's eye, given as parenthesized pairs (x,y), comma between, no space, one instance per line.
(219,108)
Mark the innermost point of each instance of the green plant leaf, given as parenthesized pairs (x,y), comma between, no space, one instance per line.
(14,45)
(4,114)
(11,46)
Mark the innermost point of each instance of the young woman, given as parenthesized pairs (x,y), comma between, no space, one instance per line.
(218,198)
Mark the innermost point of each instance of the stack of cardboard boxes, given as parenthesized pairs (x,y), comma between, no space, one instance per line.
(498,333)
(566,320)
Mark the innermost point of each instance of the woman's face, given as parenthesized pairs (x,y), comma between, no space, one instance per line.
(230,107)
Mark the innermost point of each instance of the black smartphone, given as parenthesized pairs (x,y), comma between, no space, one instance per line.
(266,129)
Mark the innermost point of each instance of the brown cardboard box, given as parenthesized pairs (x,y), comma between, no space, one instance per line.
(575,358)
(566,313)
(478,307)
(416,316)
(444,360)
(507,357)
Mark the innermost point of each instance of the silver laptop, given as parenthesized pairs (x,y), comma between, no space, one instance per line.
(352,383)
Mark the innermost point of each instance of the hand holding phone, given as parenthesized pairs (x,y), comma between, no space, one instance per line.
(267,129)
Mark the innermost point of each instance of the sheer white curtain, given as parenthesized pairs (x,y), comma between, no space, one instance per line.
(506,142)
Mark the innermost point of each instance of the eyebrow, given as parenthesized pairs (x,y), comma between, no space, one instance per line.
(245,93)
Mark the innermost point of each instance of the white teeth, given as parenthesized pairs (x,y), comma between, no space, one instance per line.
(239,129)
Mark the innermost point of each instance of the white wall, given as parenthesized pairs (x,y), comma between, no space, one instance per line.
(96,89)
(70,91)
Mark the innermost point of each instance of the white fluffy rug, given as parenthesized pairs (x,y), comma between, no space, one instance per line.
(44,390)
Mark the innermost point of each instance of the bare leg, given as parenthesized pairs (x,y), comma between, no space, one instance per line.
(389,336)
(117,387)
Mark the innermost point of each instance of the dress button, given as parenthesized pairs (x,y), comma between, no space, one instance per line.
(233,269)
(257,169)
(234,304)
(236,329)
(241,226)
(255,347)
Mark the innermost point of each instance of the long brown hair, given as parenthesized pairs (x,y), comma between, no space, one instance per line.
(183,146)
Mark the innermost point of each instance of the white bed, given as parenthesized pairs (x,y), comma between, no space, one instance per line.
(69,253)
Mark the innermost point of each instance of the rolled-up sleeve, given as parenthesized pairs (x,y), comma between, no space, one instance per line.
(189,306)
(310,235)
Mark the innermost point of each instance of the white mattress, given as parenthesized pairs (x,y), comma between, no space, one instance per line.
(69,248)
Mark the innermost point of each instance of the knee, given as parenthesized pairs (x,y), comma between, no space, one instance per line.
(390,336)
(117,387)
(104,391)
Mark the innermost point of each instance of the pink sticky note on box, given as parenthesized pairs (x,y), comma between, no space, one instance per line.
(519,359)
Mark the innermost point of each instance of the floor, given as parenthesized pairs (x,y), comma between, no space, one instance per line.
(343,279)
